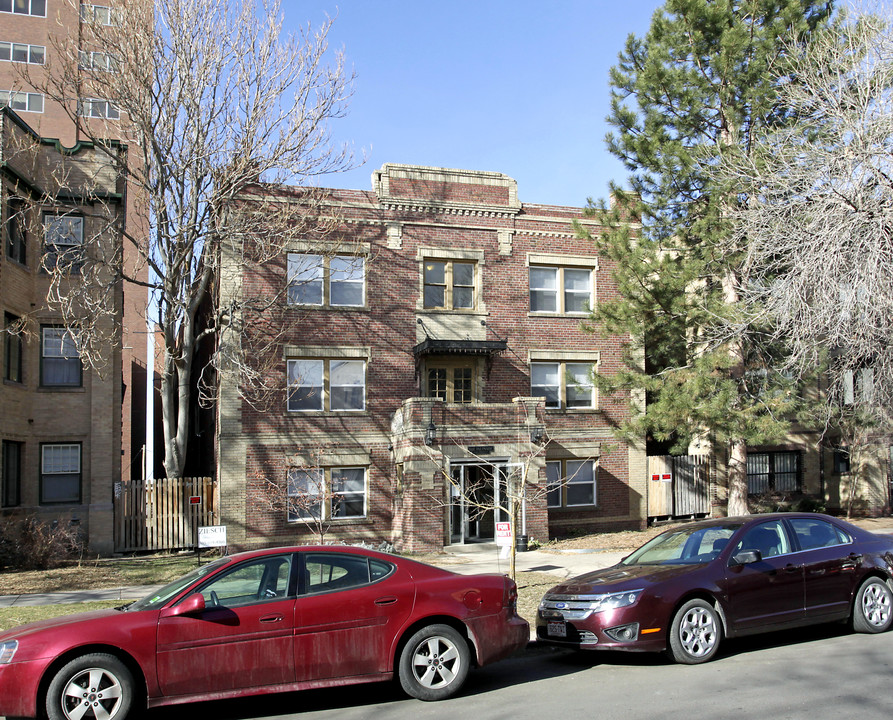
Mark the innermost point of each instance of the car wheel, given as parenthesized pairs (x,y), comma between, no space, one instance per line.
(91,686)
(434,663)
(694,633)
(873,609)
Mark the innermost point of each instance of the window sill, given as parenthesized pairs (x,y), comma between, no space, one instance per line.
(333,308)
(570,316)
(61,388)
(334,522)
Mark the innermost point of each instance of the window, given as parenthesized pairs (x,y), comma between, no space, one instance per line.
(24,7)
(328,571)
(327,384)
(563,384)
(773,472)
(338,281)
(326,493)
(22,101)
(97,108)
(15,230)
(60,365)
(815,533)
(769,538)
(102,61)
(570,483)
(449,284)
(63,241)
(22,53)
(60,473)
(453,383)
(250,583)
(99,15)
(12,351)
(841,461)
(12,473)
(560,290)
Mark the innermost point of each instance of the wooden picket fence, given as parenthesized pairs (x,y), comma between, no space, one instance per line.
(163,514)
(678,486)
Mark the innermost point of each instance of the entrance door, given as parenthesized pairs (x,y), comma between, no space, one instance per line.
(477,501)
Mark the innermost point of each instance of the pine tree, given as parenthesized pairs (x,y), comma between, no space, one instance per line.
(698,84)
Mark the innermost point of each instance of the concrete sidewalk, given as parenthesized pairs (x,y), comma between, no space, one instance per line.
(466,559)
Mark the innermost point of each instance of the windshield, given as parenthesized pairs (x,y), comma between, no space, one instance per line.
(161,596)
(684,546)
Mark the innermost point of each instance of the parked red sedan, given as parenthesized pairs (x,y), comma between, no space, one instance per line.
(693,585)
(262,622)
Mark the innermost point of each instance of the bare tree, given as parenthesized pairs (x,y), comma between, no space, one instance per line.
(218,107)
(817,224)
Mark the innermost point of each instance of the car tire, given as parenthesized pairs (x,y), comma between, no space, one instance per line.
(873,608)
(695,633)
(99,680)
(434,663)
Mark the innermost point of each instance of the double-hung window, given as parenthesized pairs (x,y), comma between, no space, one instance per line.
(563,384)
(449,284)
(571,483)
(63,241)
(12,351)
(15,230)
(99,14)
(326,384)
(24,7)
(102,61)
(60,364)
(337,281)
(60,473)
(326,493)
(13,453)
(560,290)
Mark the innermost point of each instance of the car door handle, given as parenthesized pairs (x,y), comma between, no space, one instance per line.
(390,600)
(271,619)
(791,568)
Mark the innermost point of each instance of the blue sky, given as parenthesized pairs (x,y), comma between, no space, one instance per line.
(511,86)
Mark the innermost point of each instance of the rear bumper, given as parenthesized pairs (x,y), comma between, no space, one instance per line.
(498,636)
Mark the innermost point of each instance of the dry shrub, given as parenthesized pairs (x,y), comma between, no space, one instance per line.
(30,543)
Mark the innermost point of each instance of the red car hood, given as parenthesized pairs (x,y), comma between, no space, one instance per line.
(622,577)
(58,622)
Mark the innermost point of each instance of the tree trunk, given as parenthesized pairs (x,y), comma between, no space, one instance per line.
(737,474)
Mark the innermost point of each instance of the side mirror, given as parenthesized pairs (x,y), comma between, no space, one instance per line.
(192,605)
(746,557)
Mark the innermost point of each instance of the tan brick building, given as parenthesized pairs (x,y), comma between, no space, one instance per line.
(439,358)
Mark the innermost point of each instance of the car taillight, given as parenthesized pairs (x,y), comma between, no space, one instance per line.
(510,595)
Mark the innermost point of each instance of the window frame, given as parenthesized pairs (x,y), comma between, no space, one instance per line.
(12,8)
(322,276)
(22,101)
(98,109)
(560,290)
(450,285)
(13,351)
(327,386)
(11,495)
(16,230)
(322,479)
(78,476)
(565,481)
(88,15)
(450,366)
(71,358)
(564,384)
(30,52)
(771,473)
(69,252)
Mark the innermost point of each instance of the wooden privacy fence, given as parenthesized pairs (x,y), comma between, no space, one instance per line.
(678,485)
(163,514)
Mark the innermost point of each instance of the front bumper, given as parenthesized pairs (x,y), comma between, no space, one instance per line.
(621,629)
(18,688)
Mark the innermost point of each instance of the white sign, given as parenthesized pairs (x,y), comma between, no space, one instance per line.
(212,536)
(503,534)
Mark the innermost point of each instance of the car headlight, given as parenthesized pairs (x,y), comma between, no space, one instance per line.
(578,607)
(7,650)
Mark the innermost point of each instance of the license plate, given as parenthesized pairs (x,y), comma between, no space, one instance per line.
(557,629)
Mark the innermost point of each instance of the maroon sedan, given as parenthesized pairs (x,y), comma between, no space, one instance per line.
(693,585)
(262,622)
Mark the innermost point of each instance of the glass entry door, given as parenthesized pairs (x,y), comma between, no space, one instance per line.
(477,501)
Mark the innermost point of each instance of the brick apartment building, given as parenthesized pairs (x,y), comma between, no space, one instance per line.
(32,32)
(439,353)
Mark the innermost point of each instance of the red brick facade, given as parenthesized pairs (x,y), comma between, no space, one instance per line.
(455,366)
